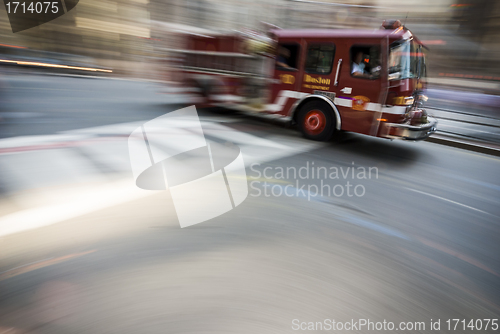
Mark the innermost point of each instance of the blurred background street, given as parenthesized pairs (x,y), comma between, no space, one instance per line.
(83,250)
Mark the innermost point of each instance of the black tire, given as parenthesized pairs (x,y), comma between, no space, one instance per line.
(316,120)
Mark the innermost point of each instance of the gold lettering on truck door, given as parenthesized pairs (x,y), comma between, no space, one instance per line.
(287,79)
(313,80)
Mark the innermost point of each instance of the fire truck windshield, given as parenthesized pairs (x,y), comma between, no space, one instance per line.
(405,60)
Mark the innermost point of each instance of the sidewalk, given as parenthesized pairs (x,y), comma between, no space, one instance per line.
(486,86)
(467,127)
(468,117)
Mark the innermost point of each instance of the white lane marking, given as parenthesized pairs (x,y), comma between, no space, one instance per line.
(40,169)
(86,134)
(237,137)
(448,200)
(78,202)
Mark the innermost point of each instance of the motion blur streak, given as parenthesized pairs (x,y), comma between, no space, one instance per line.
(54,65)
(40,264)
(84,250)
(13,46)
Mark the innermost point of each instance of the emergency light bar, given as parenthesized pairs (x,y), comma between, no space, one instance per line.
(391,24)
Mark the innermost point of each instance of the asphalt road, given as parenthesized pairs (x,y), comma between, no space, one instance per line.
(416,243)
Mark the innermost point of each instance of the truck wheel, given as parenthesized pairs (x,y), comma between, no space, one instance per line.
(316,121)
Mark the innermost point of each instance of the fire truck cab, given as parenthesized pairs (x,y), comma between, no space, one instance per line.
(363,81)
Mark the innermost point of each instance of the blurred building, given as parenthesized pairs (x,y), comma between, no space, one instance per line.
(131,36)
(109,31)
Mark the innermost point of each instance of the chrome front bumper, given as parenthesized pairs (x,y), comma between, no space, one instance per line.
(411,132)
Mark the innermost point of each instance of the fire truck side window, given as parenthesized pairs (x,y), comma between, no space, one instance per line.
(320,58)
(365,61)
(287,56)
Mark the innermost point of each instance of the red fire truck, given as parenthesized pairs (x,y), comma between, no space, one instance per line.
(364,81)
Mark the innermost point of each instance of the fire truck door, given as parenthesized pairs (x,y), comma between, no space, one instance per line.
(361,87)
(384,85)
(286,78)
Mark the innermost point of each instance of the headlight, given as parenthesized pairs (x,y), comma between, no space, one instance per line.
(394,76)
(409,100)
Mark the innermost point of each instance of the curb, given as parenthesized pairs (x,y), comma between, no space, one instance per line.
(470,146)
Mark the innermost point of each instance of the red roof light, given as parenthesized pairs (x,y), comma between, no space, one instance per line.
(391,24)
